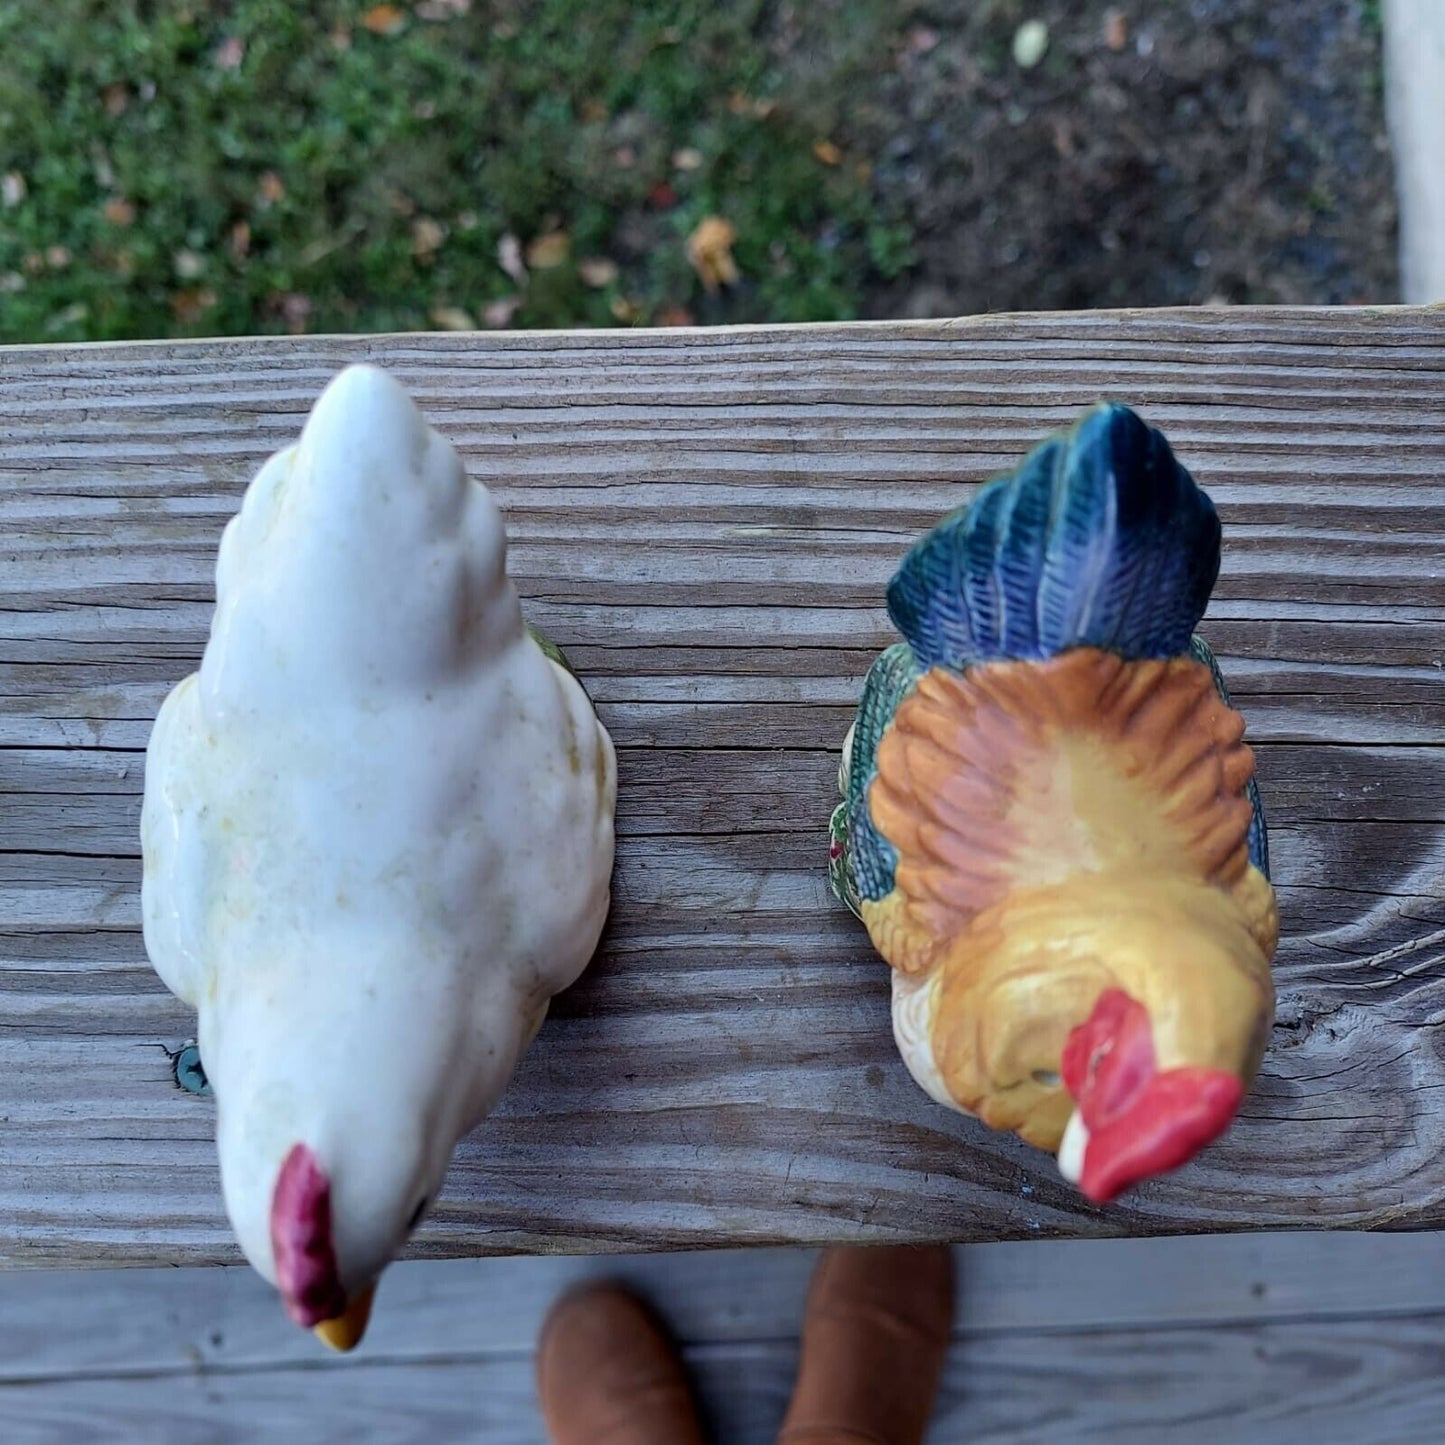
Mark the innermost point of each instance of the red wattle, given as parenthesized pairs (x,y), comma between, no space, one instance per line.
(1140,1122)
(306,1271)
(1177,1113)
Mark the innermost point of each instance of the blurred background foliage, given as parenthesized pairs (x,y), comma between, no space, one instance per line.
(203,167)
(263,165)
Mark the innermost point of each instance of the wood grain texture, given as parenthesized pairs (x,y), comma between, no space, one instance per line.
(1226,1340)
(163,1321)
(706,522)
(1372,1383)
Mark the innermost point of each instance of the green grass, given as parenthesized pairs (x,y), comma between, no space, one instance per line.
(337,179)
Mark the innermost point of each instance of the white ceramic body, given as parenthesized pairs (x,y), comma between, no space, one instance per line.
(378,823)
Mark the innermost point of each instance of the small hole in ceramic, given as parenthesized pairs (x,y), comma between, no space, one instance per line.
(190,1073)
(1046,1078)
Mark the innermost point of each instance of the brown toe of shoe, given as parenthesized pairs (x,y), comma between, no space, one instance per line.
(607,1374)
(874,1341)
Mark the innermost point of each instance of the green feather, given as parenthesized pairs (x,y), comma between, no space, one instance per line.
(861,860)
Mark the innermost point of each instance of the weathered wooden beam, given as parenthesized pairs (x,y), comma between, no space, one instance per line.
(1294,1339)
(706,520)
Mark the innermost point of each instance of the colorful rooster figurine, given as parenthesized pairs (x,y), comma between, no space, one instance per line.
(1050,825)
(377,832)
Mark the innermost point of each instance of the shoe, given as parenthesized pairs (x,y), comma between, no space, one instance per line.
(608,1374)
(875,1336)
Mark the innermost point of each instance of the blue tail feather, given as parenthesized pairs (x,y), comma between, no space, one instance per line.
(1099,539)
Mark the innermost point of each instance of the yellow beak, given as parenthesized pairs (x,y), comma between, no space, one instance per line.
(344,1331)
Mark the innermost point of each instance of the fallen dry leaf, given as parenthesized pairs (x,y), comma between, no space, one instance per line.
(57,257)
(115,98)
(624,158)
(426,238)
(546,253)
(270,189)
(674,316)
(190,306)
(119,211)
(594,110)
(341,38)
(1116,29)
(384,19)
(12,188)
(827,152)
(710,249)
(230,53)
(689,158)
(188,265)
(32,262)
(452,318)
(621,308)
(741,104)
(241,240)
(499,313)
(597,271)
(920,40)
(296,308)
(509,258)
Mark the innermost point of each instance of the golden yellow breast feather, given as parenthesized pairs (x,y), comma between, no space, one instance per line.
(1061,827)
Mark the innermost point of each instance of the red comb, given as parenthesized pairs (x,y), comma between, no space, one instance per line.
(1141,1122)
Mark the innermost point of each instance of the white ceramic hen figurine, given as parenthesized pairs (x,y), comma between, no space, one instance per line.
(378,834)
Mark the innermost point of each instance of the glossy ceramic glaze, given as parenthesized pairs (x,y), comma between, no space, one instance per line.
(378,831)
(1050,826)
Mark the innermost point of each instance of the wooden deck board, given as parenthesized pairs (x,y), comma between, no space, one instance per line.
(1298,1384)
(706,522)
(163,1321)
(1219,1340)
